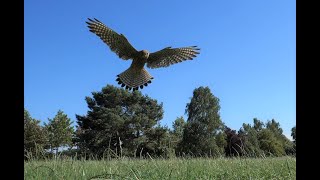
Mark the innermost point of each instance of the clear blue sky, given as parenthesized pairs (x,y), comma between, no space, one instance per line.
(248,55)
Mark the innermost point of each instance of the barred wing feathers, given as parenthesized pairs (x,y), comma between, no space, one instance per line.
(118,43)
(169,56)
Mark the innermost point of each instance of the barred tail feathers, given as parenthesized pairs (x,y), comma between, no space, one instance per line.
(134,78)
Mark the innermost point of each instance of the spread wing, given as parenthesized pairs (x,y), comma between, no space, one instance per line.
(117,43)
(168,56)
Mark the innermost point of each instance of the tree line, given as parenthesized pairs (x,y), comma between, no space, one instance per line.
(120,123)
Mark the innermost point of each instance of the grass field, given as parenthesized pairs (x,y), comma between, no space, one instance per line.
(201,168)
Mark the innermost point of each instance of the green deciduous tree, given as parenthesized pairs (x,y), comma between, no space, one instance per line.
(178,127)
(270,144)
(117,122)
(265,139)
(249,135)
(177,133)
(284,142)
(203,134)
(34,137)
(60,131)
(157,143)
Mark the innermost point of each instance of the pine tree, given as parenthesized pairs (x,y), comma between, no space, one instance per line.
(60,131)
(251,144)
(117,122)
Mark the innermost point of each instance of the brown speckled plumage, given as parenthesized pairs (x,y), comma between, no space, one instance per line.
(137,76)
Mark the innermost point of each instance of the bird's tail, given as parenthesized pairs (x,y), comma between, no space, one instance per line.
(134,78)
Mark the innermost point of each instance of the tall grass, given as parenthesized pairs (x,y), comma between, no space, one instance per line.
(176,168)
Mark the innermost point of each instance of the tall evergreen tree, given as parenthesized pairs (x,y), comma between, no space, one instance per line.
(60,131)
(117,122)
(203,133)
(274,126)
(257,124)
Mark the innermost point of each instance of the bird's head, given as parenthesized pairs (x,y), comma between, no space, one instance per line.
(145,53)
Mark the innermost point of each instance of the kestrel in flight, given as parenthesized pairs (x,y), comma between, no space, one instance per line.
(136,75)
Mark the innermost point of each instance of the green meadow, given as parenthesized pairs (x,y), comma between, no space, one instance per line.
(176,168)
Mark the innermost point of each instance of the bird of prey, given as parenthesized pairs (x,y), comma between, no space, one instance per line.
(136,75)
